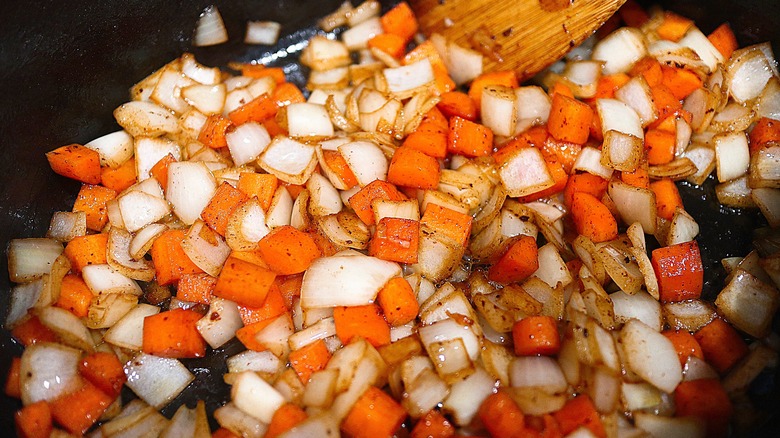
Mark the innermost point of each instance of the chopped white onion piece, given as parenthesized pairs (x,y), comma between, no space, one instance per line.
(208,99)
(590,160)
(670,427)
(525,172)
(208,253)
(537,372)
(156,380)
(144,238)
(221,322)
(291,161)
(403,79)
(47,371)
(620,50)
(239,422)
(366,161)
(128,332)
(255,396)
(262,32)
(498,109)
(31,258)
(190,188)
(69,328)
(114,148)
(210,29)
(139,209)
(651,355)
(700,44)
(640,306)
(308,120)
(356,37)
(345,279)
(618,116)
(103,279)
(748,303)
(467,395)
(731,155)
(141,118)
(634,204)
(636,94)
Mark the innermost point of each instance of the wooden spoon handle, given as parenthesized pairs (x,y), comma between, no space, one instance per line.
(531,33)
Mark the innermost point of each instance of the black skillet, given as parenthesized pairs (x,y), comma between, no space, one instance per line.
(65,65)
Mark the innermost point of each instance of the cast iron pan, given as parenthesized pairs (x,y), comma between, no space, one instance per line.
(64,67)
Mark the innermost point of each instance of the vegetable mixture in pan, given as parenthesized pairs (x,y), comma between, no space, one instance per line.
(413,246)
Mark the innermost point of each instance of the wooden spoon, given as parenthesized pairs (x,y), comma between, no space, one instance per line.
(529,34)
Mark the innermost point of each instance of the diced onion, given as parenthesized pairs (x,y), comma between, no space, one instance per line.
(210,29)
(262,32)
(156,380)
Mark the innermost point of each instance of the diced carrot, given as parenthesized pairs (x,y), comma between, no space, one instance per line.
(398,301)
(679,271)
(105,371)
(569,119)
(224,433)
(213,132)
(673,27)
(724,40)
(412,168)
(310,358)
(365,321)
(559,175)
(196,288)
(260,71)
(684,344)
(32,331)
(287,93)
(273,306)
(290,288)
(665,102)
(580,412)
(401,21)
(245,283)
(765,131)
(608,84)
(160,170)
(681,82)
(507,78)
(77,411)
(170,261)
(396,240)
(667,197)
(650,69)
(592,218)
(435,119)
(76,162)
(638,178)
(501,416)
(536,335)
(288,251)
(221,206)
(92,201)
(260,185)
(432,144)
(469,138)
(456,226)
(392,44)
(34,421)
(87,250)
(563,152)
(13,386)
(433,425)
(721,344)
(259,109)
(285,418)
(375,414)
(584,183)
(660,146)
(273,127)
(119,178)
(362,200)
(518,262)
(633,14)
(560,87)
(336,162)
(173,333)
(456,103)
(705,399)
(293,189)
